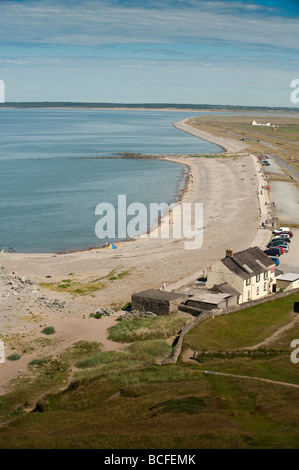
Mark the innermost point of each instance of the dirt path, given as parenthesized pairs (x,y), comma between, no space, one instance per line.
(287,384)
(275,335)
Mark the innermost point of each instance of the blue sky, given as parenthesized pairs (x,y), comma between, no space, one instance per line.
(236,52)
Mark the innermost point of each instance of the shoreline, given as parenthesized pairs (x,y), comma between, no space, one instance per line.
(228,145)
(226,187)
(225,144)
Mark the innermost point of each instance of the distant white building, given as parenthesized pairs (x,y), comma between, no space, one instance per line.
(254,123)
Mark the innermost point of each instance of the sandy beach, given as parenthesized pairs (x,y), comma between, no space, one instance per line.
(227,187)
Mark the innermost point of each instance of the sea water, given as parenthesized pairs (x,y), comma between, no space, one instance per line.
(53,171)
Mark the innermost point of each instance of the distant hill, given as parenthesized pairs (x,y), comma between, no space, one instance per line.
(171,106)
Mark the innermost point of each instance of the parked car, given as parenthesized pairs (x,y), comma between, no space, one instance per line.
(265,163)
(273,251)
(280,238)
(276,260)
(280,243)
(284,247)
(289,233)
(281,229)
(273,243)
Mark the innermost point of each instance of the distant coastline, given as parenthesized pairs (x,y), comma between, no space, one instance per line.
(146,107)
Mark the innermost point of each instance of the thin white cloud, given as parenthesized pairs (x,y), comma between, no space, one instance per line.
(94,23)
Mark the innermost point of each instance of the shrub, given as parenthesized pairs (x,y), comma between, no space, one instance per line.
(49,330)
(37,362)
(14,357)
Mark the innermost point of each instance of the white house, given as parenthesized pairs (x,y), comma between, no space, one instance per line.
(251,272)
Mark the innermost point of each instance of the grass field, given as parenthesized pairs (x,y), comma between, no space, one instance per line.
(126,400)
(283,142)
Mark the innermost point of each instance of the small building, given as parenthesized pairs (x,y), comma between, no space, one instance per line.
(206,299)
(250,272)
(225,288)
(157,301)
(288,281)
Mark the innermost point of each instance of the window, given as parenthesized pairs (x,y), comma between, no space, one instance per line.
(257,291)
(266,275)
(248,282)
(258,276)
(265,286)
(248,295)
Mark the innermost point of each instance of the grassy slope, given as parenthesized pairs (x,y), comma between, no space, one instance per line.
(130,402)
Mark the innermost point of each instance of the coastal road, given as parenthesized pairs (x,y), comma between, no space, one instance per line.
(287,166)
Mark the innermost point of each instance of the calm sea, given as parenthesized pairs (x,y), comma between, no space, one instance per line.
(50,185)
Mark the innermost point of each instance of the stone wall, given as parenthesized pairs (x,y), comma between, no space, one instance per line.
(210,313)
(252,303)
(184,330)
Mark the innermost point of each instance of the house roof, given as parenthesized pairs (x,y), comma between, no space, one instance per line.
(289,277)
(248,263)
(157,294)
(226,288)
(209,297)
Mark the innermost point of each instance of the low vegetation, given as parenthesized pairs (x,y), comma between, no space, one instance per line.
(49,330)
(77,287)
(126,400)
(146,328)
(73,287)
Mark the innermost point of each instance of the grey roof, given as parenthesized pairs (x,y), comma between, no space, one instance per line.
(289,277)
(226,288)
(209,297)
(248,263)
(158,294)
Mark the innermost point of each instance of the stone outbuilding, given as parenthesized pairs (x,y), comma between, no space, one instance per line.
(157,301)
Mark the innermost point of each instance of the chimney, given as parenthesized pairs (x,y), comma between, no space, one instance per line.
(229,252)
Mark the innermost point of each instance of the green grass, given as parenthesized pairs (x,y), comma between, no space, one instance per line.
(243,328)
(170,407)
(138,354)
(138,328)
(120,275)
(73,287)
(125,400)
